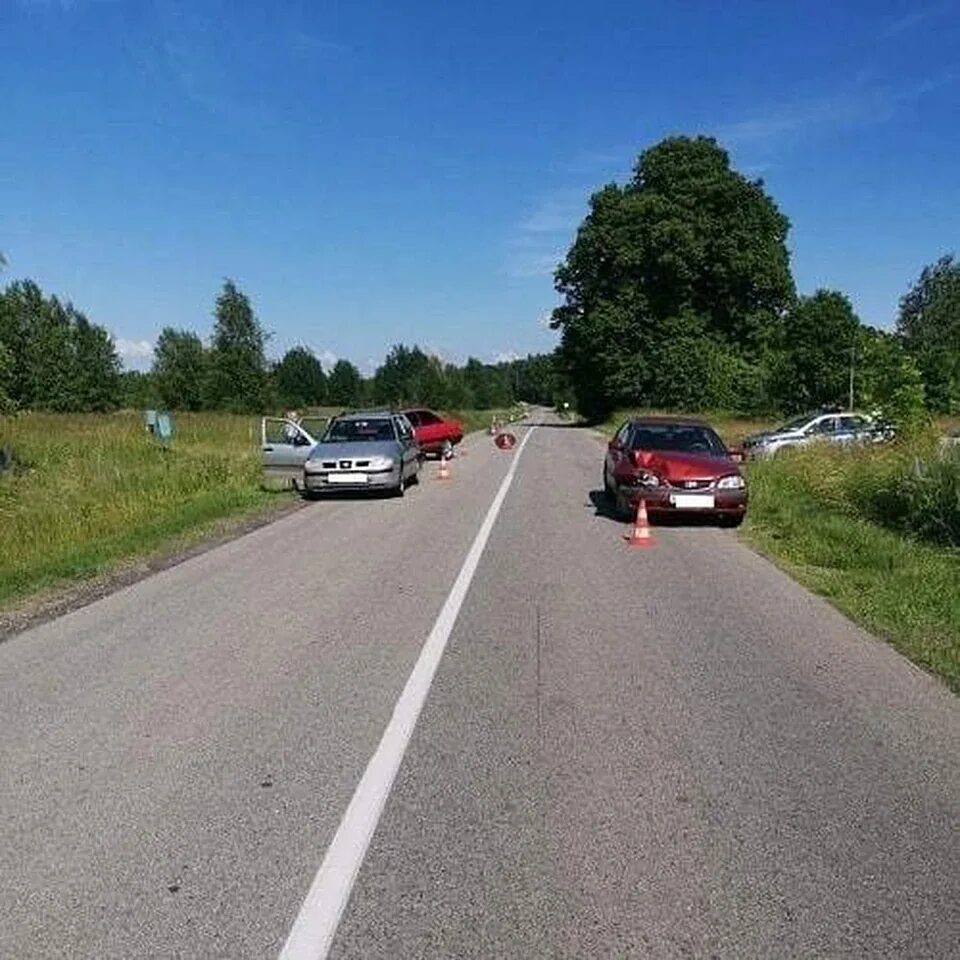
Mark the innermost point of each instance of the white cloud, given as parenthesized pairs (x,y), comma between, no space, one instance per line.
(327,358)
(505,356)
(540,240)
(135,354)
(903,24)
(533,261)
(558,212)
(615,161)
(857,106)
(135,348)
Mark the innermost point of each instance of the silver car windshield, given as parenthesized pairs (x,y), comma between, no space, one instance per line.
(359,431)
(796,423)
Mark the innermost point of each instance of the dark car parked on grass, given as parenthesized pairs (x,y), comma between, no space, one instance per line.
(677,466)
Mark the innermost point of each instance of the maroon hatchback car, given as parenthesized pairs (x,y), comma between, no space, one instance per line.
(677,466)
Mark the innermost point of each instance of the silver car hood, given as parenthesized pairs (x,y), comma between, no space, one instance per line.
(355,450)
(773,435)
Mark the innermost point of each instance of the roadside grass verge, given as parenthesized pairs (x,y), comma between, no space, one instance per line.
(902,590)
(872,529)
(88,491)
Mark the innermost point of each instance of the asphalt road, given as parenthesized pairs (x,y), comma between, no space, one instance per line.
(674,752)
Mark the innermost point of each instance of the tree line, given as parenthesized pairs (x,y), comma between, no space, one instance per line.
(53,358)
(677,293)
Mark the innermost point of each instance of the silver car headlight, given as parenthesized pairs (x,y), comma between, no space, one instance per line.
(381,463)
(731,483)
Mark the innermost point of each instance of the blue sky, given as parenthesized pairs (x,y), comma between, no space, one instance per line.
(375,172)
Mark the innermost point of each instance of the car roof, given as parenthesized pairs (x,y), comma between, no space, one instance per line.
(365,414)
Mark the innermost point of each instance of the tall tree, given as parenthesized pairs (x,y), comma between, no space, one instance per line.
(490,386)
(409,376)
(6,379)
(37,332)
(300,379)
(138,390)
(344,385)
(687,237)
(888,382)
(180,369)
(929,322)
(237,378)
(59,359)
(97,366)
(820,333)
(536,378)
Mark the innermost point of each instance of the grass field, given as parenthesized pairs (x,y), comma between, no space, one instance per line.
(856,527)
(90,491)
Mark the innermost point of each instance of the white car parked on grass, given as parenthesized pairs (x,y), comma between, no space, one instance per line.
(833,427)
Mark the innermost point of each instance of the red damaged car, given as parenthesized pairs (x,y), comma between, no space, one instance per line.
(677,466)
(434,433)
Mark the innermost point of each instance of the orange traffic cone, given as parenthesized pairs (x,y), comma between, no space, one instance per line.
(444,472)
(641,536)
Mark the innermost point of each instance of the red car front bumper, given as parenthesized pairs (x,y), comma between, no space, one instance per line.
(665,500)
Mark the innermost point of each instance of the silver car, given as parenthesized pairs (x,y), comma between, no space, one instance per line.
(833,427)
(370,450)
(285,444)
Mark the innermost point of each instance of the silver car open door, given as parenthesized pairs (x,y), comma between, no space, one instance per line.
(285,446)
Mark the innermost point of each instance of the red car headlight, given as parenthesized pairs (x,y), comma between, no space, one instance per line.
(735,482)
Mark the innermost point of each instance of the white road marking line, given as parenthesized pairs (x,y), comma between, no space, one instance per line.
(320,914)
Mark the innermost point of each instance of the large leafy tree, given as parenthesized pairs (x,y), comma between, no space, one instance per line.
(344,385)
(138,390)
(820,334)
(300,379)
(409,376)
(929,322)
(36,329)
(490,386)
(180,366)
(536,378)
(97,366)
(6,379)
(59,360)
(237,378)
(688,240)
(888,382)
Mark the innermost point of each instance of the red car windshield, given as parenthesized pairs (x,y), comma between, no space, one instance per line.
(676,438)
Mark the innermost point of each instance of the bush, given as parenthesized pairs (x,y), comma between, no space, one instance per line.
(914,489)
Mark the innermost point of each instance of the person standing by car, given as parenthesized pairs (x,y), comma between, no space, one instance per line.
(290,431)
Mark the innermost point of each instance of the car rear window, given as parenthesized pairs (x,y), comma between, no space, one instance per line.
(676,438)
